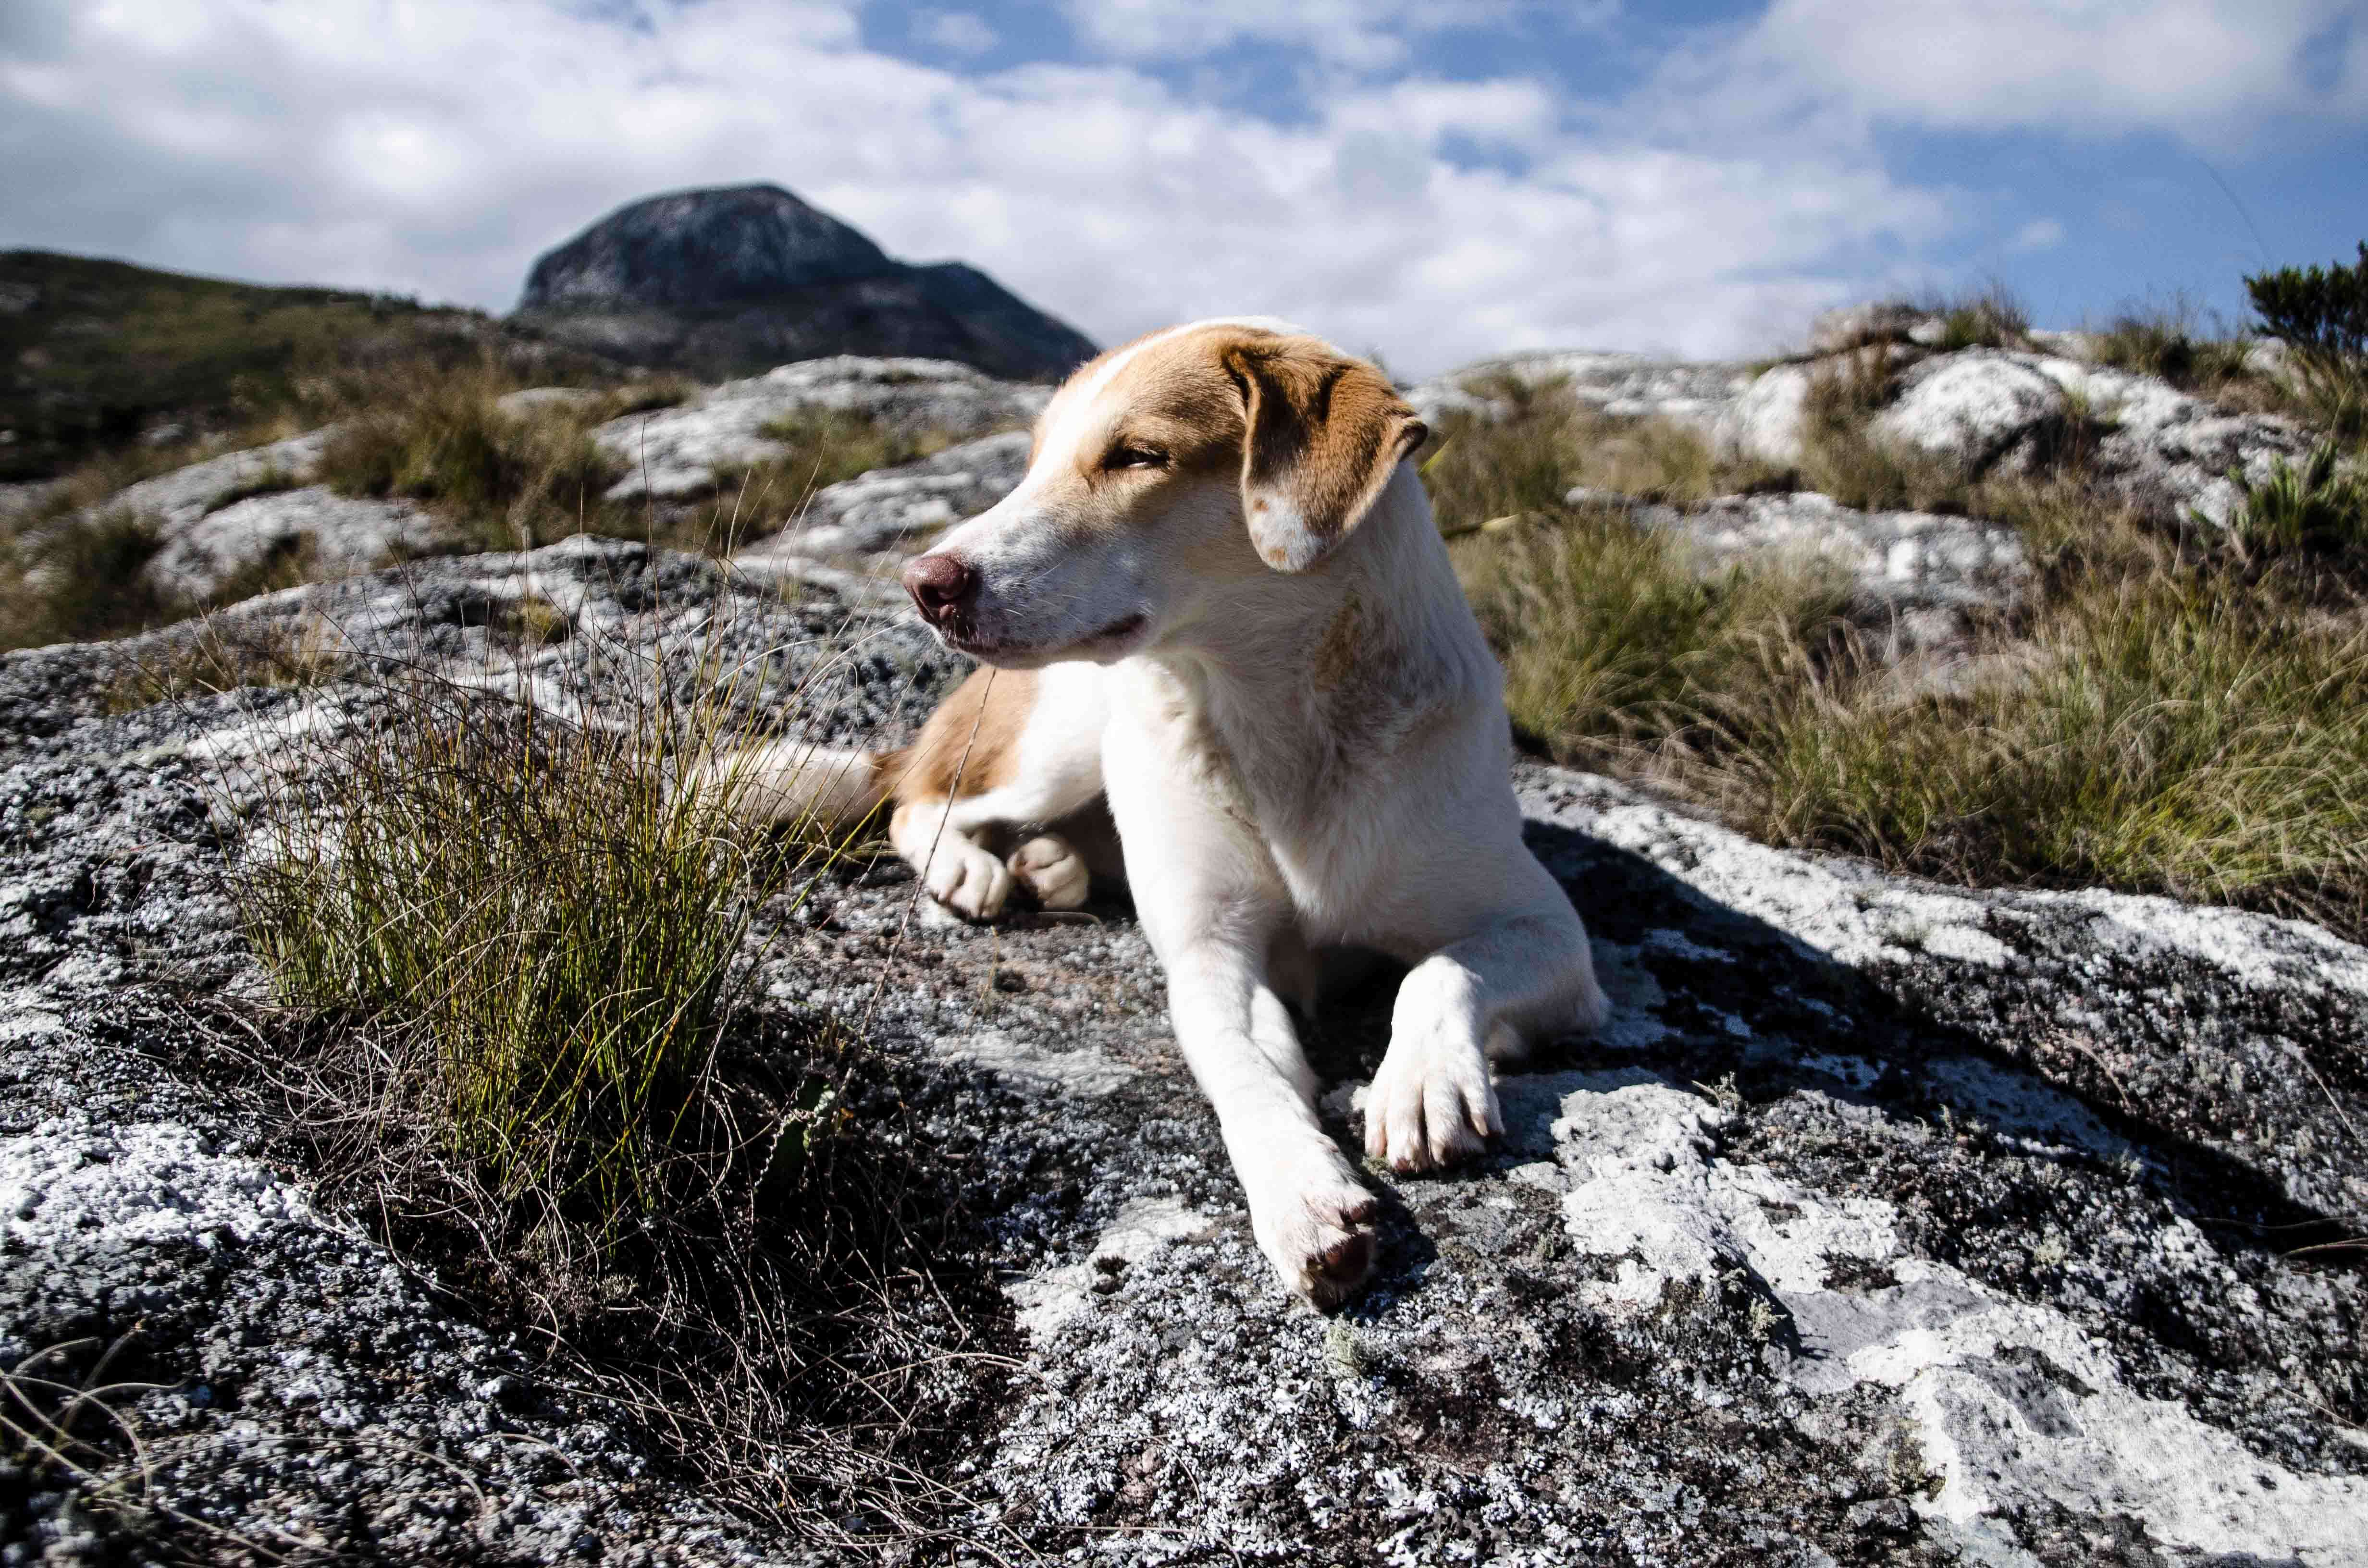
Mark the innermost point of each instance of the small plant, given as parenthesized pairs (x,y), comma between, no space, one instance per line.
(1990,317)
(2314,508)
(222,655)
(2167,342)
(2316,309)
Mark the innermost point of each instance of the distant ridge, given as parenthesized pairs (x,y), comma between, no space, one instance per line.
(738,279)
(96,353)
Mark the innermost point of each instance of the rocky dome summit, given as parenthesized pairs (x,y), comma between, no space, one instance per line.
(738,279)
(703,247)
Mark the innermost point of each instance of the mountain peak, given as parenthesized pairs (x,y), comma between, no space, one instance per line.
(735,278)
(702,248)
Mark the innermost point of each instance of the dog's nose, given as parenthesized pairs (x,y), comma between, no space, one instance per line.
(940,585)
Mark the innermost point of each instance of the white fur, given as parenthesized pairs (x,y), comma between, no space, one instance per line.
(1262,814)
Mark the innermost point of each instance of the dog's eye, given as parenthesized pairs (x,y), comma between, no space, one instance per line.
(1126,456)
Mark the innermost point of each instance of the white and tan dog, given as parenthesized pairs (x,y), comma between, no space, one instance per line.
(1218,602)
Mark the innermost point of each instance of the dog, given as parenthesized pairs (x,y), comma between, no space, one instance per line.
(1217,615)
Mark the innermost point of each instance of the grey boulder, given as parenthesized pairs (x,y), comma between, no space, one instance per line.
(678,451)
(892,507)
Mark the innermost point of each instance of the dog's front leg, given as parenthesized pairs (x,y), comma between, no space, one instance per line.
(1311,1215)
(1212,903)
(1481,998)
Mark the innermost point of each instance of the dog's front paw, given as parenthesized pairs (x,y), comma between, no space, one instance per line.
(967,879)
(1314,1219)
(1054,871)
(1430,1105)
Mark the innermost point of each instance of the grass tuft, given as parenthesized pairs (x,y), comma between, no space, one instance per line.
(81,578)
(2169,343)
(1987,317)
(224,655)
(531,898)
(1545,442)
(2175,708)
(1841,455)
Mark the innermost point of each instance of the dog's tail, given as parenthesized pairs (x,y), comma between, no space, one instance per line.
(795,783)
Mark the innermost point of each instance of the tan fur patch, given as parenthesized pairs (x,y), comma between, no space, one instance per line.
(1335,657)
(971,744)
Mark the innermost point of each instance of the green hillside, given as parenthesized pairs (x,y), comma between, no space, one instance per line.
(93,353)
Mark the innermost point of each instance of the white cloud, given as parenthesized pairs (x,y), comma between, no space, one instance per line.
(960,32)
(1362,34)
(2214,72)
(2039,234)
(438,145)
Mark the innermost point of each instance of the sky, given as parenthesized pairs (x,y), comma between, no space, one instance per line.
(1433,180)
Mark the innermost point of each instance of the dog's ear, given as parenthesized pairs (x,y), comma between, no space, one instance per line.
(1322,435)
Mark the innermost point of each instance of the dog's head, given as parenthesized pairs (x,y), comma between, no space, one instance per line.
(1164,476)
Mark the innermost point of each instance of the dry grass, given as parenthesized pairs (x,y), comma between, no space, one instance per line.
(505,481)
(222,655)
(2165,737)
(1615,637)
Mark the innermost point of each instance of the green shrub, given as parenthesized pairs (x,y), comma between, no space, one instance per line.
(2316,309)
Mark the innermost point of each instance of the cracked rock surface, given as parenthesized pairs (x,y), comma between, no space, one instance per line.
(1884,1224)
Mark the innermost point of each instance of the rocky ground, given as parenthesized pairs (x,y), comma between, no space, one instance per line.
(1884,1224)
